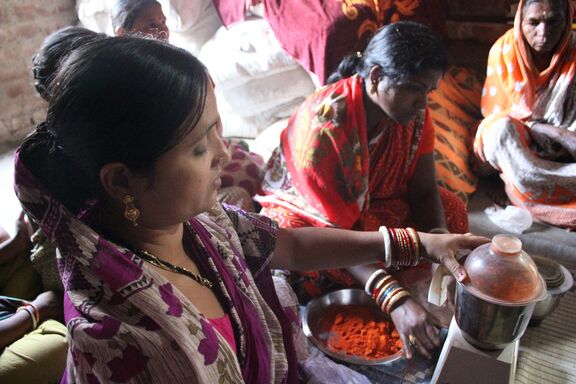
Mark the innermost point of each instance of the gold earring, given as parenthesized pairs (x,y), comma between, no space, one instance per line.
(374,88)
(131,213)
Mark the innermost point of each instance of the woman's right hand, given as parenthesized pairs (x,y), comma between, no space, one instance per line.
(415,328)
(442,249)
(49,305)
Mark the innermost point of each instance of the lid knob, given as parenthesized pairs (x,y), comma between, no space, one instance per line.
(506,245)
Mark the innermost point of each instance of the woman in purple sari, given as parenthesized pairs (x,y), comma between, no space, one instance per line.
(162,283)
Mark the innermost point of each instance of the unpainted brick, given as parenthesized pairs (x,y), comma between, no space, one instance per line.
(27,12)
(15,91)
(7,75)
(24,25)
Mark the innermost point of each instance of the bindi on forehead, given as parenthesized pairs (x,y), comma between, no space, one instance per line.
(543,10)
(543,17)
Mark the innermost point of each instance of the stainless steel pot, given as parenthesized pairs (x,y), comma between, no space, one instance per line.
(489,325)
(494,305)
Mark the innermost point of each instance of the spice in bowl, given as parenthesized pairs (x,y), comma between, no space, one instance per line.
(360,331)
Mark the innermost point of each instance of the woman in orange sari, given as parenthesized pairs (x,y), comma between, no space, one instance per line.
(358,155)
(529,101)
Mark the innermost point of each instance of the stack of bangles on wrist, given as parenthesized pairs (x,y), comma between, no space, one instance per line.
(33,312)
(401,246)
(385,291)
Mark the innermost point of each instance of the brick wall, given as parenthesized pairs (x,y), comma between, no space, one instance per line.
(23,26)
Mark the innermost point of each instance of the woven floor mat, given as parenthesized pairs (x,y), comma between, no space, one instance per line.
(548,352)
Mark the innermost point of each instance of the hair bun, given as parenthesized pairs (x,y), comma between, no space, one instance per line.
(44,136)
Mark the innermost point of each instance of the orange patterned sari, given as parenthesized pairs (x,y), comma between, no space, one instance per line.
(516,93)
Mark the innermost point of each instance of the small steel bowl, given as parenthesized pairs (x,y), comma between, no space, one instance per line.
(549,304)
(312,324)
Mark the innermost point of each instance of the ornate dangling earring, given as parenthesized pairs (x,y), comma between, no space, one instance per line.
(131,213)
(374,88)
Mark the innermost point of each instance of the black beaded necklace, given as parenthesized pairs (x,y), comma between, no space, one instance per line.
(150,258)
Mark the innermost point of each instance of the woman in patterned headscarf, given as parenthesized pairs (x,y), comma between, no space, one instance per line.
(529,104)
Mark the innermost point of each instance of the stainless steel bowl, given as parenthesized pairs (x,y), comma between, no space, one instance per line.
(312,324)
(545,307)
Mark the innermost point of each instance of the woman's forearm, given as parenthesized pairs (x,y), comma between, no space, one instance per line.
(564,137)
(302,249)
(311,248)
(362,272)
(14,327)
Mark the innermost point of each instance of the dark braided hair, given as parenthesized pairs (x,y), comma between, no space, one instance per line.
(400,50)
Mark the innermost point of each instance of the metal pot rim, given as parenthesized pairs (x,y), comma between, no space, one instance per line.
(541,296)
(566,284)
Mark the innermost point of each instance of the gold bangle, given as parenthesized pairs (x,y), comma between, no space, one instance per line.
(405,251)
(387,292)
(395,299)
(390,296)
(35,310)
(399,247)
(416,242)
(380,283)
(30,311)
(384,288)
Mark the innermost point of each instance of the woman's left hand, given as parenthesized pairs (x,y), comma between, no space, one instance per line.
(442,248)
(543,133)
(415,327)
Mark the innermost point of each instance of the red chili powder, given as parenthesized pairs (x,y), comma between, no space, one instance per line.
(360,331)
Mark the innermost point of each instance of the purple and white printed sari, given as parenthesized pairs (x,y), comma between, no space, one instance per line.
(128,324)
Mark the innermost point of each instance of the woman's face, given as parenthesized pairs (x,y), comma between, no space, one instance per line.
(407,100)
(185,180)
(152,22)
(543,26)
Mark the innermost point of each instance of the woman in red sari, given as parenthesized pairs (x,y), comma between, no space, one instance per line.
(358,155)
